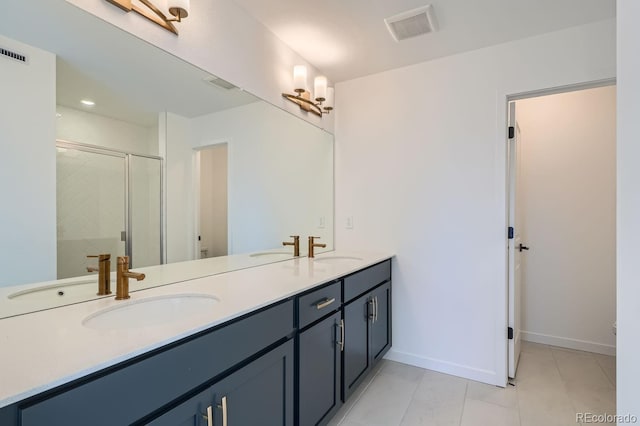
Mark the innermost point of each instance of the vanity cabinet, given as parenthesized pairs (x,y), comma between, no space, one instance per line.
(137,389)
(292,363)
(260,393)
(367,323)
(319,348)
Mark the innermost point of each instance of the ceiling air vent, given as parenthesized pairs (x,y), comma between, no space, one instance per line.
(216,81)
(413,23)
(13,55)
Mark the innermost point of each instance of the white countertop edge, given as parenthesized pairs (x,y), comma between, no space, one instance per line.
(16,393)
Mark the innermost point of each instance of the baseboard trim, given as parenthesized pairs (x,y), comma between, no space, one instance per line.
(465,371)
(566,342)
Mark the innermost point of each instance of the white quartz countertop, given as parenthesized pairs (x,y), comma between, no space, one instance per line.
(45,349)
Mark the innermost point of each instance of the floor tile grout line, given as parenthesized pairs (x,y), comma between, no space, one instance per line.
(605,373)
(564,385)
(464,402)
(412,395)
(360,394)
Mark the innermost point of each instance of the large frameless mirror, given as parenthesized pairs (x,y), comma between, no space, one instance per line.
(160,161)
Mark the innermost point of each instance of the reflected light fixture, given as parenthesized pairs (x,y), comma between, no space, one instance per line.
(322,101)
(179,9)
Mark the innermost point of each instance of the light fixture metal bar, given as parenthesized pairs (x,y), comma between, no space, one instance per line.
(153,14)
(304,102)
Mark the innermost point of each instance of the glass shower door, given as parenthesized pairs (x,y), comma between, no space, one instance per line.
(91,206)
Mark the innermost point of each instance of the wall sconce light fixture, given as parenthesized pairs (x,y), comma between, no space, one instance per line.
(179,9)
(322,102)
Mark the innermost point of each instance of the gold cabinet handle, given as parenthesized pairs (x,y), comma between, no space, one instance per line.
(375,310)
(325,303)
(209,416)
(224,410)
(341,342)
(372,314)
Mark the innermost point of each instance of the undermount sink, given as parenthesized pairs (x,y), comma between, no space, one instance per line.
(336,259)
(273,254)
(60,291)
(151,311)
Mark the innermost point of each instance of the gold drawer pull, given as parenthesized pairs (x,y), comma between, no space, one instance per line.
(341,342)
(223,406)
(325,303)
(209,416)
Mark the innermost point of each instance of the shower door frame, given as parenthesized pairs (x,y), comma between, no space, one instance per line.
(128,217)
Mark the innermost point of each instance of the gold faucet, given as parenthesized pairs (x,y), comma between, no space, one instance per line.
(295,244)
(122,284)
(104,273)
(313,245)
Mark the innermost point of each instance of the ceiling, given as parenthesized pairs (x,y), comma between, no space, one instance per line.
(96,66)
(347,39)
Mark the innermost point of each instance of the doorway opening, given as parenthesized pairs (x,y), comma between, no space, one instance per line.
(561,186)
(212,206)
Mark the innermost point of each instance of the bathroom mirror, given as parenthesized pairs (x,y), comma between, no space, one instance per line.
(161,161)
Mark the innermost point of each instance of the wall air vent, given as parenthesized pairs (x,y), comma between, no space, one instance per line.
(413,23)
(13,55)
(220,83)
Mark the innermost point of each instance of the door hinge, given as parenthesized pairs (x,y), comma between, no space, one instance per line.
(510,232)
(512,132)
(510,333)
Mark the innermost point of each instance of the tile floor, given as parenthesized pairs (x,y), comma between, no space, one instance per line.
(552,385)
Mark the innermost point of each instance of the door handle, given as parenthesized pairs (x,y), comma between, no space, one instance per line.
(376,305)
(341,342)
(522,247)
(209,416)
(223,406)
(371,313)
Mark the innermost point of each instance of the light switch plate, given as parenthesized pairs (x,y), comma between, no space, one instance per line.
(349,222)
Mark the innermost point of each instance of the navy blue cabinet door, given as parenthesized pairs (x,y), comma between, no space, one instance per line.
(319,372)
(356,343)
(260,393)
(381,323)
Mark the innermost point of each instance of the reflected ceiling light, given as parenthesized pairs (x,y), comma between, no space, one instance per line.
(87,102)
(179,9)
(320,103)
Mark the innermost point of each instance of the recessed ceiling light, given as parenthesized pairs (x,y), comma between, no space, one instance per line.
(87,102)
(58,114)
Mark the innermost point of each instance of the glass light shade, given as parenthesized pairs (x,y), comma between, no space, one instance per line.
(179,8)
(329,103)
(300,78)
(320,88)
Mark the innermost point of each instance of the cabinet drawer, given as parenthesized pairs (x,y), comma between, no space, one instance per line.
(141,387)
(365,280)
(318,303)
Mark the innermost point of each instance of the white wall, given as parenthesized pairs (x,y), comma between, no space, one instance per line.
(628,104)
(27,163)
(223,39)
(177,151)
(85,127)
(568,205)
(422,171)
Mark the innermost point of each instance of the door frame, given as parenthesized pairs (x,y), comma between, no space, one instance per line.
(502,314)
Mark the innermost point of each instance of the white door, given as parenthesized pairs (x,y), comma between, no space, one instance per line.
(515,246)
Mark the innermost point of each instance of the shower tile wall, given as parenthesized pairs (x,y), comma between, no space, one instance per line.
(90,208)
